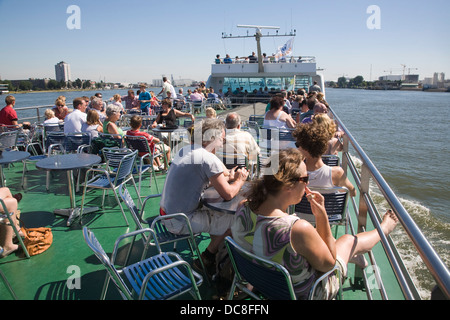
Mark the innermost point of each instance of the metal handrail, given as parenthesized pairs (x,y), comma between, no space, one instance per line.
(433,262)
(38,117)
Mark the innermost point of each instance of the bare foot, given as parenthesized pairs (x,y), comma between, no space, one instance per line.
(359,260)
(389,222)
(8,250)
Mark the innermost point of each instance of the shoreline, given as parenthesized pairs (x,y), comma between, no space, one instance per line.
(398,89)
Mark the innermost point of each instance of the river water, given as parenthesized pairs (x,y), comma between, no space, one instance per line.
(403,132)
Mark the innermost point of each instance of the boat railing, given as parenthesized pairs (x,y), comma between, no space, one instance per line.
(34,114)
(290,59)
(367,209)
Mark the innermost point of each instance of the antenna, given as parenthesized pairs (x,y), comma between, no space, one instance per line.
(258,35)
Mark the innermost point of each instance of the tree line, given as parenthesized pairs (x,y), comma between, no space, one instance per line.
(48,84)
(356,82)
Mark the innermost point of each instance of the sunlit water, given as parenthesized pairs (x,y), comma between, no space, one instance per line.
(405,135)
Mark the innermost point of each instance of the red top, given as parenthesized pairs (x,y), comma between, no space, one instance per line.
(8,115)
(149,138)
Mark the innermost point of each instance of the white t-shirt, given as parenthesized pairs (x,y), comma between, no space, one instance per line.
(74,120)
(52,120)
(187,178)
(168,87)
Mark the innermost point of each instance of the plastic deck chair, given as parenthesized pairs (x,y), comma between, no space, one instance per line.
(161,277)
(336,205)
(331,160)
(271,279)
(76,142)
(51,127)
(162,235)
(7,216)
(140,144)
(258,118)
(120,163)
(8,140)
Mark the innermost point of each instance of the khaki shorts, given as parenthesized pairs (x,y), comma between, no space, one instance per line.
(202,220)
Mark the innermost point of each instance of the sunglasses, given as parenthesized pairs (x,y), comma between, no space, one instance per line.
(302,179)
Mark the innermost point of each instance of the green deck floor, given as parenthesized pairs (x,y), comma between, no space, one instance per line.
(68,270)
(48,276)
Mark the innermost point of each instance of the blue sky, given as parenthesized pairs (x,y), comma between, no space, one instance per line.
(136,40)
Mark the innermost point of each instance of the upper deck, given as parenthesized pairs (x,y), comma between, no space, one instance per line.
(296,66)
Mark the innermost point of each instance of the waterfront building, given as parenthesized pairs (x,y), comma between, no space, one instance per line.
(62,72)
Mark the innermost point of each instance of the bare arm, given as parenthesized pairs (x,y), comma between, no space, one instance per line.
(229,190)
(178,113)
(112,128)
(340,179)
(317,245)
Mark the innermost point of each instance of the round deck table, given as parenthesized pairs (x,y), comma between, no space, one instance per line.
(69,162)
(8,157)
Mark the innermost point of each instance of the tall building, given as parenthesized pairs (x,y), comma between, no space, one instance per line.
(62,71)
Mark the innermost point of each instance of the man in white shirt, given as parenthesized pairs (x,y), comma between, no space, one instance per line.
(74,120)
(238,141)
(197,165)
(167,86)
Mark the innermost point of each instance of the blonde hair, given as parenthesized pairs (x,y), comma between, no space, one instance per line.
(93,118)
(210,112)
(116,97)
(323,120)
(49,113)
(60,102)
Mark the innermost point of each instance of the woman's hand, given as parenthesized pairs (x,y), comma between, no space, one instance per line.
(317,202)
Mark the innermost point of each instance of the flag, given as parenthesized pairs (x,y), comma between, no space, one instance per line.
(285,50)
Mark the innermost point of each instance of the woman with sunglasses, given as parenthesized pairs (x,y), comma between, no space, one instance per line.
(263,227)
(312,141)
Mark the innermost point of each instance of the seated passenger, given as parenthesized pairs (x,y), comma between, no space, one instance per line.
(312,141)
(136,123)
(196,96)
(239,141)
(214,98)
(74,120)
(93,125)
(263,227)
(50,117)
(193,169)
(210,113)
(334,144)
(276,117)
(310,102)
(227,59)
(60,109)
(6,232)
(112,116)
(169,115)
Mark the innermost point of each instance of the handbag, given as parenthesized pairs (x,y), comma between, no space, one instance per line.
(37,240)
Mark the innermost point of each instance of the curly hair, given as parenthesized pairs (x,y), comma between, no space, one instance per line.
(322,119)
(287,174)
(312,138)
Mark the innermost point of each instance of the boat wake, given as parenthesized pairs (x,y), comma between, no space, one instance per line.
(432,227)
